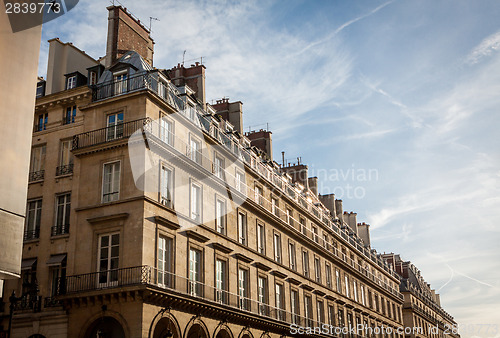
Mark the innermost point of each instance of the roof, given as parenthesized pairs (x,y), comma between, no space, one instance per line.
(130,59)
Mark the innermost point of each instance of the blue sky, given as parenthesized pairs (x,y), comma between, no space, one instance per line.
(409,90)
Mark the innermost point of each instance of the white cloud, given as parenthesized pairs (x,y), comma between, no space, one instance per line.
(488,46)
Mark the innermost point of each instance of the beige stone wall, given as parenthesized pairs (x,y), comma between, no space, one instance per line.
(18,66)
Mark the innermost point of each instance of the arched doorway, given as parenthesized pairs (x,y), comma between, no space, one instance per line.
(197,331)
(105,327)
(166,328)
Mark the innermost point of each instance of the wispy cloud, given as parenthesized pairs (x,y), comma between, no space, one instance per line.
(488,46)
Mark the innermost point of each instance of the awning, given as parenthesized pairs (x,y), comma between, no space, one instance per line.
(56,259)
(28,263)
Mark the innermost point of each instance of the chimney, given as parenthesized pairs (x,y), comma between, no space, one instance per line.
(329,202)
(263,140)
(351,221)
(338,209)
(298,173)
(312,182)
(193,77)
(364,234)
(126,33)
(233,113)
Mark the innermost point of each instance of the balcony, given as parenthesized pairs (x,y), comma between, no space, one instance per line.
(63,170)
(120,131)
(30,235)
(36,176)
(57,230)
(176,286)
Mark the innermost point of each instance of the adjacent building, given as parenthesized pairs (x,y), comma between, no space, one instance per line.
(151,214)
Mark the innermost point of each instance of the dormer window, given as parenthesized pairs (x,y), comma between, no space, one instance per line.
(92,78)
(120,80)
(71,82)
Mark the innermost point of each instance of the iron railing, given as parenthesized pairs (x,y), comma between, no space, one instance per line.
(66,169)
(59,230)
(177,285)
(108,134)
(31,234)
(36,175)
(28,303)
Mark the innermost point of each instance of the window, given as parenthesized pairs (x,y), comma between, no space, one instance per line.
(262,295)
(166,183)
(42,122)
(195,272)
(242,228)
(166,131)
(258,195)
(346,280)
(220,216)
(120,83)
(338,280)
(325,241)
(70,114)
(243,288)
(165,261)
(65,159)
(92,78)
(219,167)
(240,182)
(274,207)
(280,301)
(57,272)
(277,247)
(196,202)
(305,263)
(363,295)
(108,259)
(303,228)
(294,306)
(308,312)
(63,209)
(328,270)
(111,182)
(317,269)
(261,238)
(37,163)
(40,89)
(350,323)
(292,256)
(320,311)
(340,321)
(355,290)
(114,126)
(289,216)
(33,217)
(315,234)
(71,82)
(331,314)
(220,281)
(195,150)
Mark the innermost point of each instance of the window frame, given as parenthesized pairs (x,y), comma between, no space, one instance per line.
(114,162)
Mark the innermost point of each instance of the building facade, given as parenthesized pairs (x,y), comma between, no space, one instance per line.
(422,305)
(155,216)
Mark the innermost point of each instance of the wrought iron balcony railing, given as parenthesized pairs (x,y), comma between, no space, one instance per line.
(31,234)
(60,229)
(66,169)
(108,134)
(177,285)
(36,175)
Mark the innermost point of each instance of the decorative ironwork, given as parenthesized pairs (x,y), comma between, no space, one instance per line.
(37,176)
(31,234)
(66,169)
(60,229)
(51,302)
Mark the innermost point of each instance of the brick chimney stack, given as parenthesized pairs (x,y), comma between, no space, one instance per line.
(126,33)
(231,112)
(193,77)
(263,140)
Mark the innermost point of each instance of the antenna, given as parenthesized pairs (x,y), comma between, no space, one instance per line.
(151,21)
(183,56)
